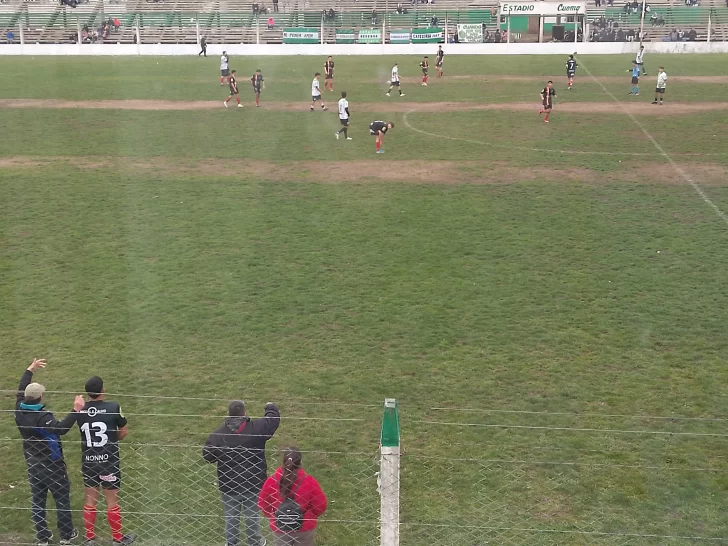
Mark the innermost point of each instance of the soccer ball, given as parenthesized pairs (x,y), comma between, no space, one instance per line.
(388,82)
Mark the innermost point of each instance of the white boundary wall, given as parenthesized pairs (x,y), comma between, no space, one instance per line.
(609,48)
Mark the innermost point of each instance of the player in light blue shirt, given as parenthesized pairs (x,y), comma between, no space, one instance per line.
(635,79)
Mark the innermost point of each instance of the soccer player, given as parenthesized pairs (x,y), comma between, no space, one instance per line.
(635,79)
(329,72)
(102,426)
(344,117)
(640,60)
(43,451)
(571,70)
(203,47)
(258,83)
(316,92)
(233,82)
(425,66)
(224,70)
(394,82)
(547,101)
(438,62)
(661,85)
(379,129)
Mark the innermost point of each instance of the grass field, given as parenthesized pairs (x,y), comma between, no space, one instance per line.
(547,301)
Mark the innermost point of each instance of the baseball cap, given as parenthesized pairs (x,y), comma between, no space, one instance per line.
(34,391)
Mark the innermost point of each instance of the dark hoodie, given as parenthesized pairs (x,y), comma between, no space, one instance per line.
(40,430)
(238,448)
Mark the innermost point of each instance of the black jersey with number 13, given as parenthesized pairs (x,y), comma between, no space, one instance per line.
(100,422)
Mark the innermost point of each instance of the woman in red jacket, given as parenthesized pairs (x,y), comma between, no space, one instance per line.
(292,501)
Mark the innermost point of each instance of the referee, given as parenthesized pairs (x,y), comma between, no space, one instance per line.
(43,452)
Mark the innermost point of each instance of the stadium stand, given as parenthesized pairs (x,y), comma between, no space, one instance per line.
(236,21)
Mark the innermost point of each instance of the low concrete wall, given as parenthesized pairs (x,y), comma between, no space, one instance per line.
(609,48)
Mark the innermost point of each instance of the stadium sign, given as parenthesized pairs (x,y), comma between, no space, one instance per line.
(543,8)
(427,35)
(399,36)
(344,36)
(301,36)
(370,36)
(471,33)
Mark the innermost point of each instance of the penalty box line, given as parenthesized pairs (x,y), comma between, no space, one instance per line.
(685,176)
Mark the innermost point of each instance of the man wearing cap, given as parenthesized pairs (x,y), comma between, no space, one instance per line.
(43,451)
(238,448)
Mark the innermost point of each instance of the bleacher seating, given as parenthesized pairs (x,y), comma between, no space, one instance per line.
(233,21)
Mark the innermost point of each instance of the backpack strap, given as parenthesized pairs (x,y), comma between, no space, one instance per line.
(294,490)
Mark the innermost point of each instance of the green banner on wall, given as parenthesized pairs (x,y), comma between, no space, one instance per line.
(399,36)
(427,35)
(344,36)
(301,36)
(370,36)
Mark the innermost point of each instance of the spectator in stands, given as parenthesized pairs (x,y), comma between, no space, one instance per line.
(271,23)
(434,21)
(620,35)
(293,525)
(610,3)
(598,3)
(275,6)
(504,36)
(256,8)
(10,36)
(374,17)
(692,35)
(674,35)
(630,35)
(203,46)
(400,9)
(238,448)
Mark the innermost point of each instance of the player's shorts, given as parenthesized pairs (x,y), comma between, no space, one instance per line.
(256,90)
(660,90)
(224,71)
(107,476)
(570,74)
(395,84)
(438,64)
(234,91)
(547,105)
(315,98)
(635,80)
(344,122)
(424,71)
(329,77)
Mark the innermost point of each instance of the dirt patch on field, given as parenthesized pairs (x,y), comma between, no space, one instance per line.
(393,105)
(374,170)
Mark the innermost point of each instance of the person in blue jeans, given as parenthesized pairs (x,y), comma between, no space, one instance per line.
(238,448)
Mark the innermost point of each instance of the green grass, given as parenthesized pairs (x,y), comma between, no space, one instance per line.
(207,255)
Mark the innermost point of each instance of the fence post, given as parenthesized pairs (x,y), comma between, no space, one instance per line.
(22,34)
(709,25)
(389,475)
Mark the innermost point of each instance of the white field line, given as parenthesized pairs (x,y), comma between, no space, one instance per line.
(660,149)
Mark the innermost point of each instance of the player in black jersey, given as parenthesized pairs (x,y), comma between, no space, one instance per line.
(233,83)
(379,129)
(102,425)
(425,66)
(547,100)
(258,83)
(329,74)
(440,59)
(571,70)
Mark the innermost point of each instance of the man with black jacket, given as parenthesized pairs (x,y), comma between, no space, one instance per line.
(238,448)
(43,451)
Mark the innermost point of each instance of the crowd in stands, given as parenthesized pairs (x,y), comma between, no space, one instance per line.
(681,36)
(599,3)
(101,33)
(608,30)
(259,8)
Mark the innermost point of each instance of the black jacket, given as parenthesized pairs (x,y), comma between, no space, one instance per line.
(238,448)
(41,431)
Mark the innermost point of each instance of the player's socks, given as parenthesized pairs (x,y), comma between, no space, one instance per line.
(546,118)
(114,517)
(257,100)
(89,521)
(379,145)
(228,99)
(237,98)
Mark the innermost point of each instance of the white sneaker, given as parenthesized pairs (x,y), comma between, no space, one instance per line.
(387,94)
(349,138)
(423,83)
(240,105)
(401,94)
(336,135)
(224,103)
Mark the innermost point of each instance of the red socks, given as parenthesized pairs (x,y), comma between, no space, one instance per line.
(114,517)
(89,521)
(547,116)
(228,99)
(379,145)
(222,80)
(424,79)
(237,98)
(257,100)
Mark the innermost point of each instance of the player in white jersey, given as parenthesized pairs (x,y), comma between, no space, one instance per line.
(394,82)
(316,92)
(661,85)
(224,68)
(343,117)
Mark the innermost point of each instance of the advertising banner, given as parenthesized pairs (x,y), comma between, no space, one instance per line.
(427,35)
(344,36)
(370,36)
(470,33)
(543,8)
(301,36)
(399,37)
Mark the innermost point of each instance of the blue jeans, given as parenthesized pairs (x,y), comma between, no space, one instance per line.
(245,502)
